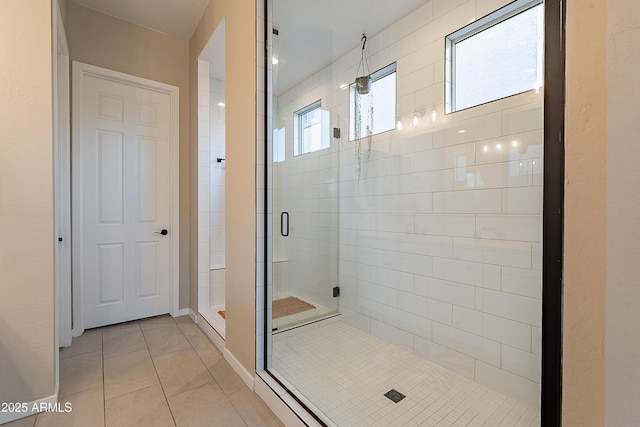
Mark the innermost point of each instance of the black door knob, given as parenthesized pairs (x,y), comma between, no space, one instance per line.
(164,232)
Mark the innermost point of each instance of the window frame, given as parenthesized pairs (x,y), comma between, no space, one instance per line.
(298,131)
(494,18)
(380,74)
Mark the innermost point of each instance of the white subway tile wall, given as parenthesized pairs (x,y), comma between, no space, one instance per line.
(204,208)
(217,286)
(217,172)
(436,241)
(211,145)
(217,194)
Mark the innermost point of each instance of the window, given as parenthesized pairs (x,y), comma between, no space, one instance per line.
(278,145)
(376,111)
(311,129)
(495,57)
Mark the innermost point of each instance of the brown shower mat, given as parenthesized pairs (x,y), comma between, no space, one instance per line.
(289,306)
(283,307)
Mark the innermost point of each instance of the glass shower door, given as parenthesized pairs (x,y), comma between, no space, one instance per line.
(305,216)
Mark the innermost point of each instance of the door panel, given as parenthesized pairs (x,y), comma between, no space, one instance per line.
(147,270)
(147,179)
(110,173)
(110,273)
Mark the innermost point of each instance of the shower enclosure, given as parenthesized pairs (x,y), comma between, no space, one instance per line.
(211,183)
(405,258)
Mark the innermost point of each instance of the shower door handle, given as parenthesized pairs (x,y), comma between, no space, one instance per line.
(284,231)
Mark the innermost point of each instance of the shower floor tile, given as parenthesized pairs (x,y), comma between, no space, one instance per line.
(345,373)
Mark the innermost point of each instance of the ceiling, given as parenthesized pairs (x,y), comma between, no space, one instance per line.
(214,52)
(178,18)
(312,34)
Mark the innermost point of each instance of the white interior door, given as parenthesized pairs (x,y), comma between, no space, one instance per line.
(126,241)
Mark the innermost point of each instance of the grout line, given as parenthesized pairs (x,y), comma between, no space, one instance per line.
(166,400)
(468,399)
(102,349)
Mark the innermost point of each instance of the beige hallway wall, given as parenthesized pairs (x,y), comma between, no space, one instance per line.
(623,207)
(27,355)
(240,180)
(585,215)
(112,43)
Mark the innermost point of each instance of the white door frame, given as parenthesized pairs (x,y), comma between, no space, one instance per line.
(80,71)
(62,179)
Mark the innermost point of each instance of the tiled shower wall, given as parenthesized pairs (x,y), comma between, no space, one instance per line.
(440,233)
(217,135)
(204,209)
(217,194)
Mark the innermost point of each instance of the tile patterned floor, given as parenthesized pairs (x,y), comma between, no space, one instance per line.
(346,372)
(155,372)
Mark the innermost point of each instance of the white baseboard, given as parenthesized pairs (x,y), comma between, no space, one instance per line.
(181,312)
(219,342)
(193,315)
(290,412)
(248,379)
(31,408)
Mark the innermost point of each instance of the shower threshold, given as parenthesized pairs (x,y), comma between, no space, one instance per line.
(318,312)
(215,319)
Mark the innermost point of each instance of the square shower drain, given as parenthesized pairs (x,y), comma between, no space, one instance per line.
(394,395)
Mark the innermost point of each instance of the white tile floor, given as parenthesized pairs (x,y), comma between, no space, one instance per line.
(345,373)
